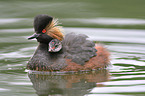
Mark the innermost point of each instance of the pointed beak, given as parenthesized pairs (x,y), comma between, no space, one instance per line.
(33,36)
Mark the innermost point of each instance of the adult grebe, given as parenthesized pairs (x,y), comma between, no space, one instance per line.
(57,52)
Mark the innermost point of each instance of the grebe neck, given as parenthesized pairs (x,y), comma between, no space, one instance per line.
(42,47)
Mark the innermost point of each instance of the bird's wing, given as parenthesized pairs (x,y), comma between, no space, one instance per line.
(78,48)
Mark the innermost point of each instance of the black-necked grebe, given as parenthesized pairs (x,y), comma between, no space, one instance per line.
(57,52)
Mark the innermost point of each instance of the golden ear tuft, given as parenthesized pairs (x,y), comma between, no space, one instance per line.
(55,33)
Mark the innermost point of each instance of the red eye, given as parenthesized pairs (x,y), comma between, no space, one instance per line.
(43,31)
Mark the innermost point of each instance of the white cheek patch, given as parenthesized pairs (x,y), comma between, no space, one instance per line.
(55,45)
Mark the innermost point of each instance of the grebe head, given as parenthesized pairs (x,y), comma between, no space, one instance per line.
(41,21)
(46,29)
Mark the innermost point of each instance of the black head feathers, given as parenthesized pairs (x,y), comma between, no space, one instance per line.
(41,21)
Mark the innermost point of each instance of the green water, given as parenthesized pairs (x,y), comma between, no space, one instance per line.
(118,24)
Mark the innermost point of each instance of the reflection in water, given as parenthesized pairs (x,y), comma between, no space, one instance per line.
(77,84)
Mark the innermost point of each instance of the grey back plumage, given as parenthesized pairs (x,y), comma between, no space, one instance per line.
(78,48)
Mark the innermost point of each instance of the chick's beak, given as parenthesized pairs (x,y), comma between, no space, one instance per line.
(33,36)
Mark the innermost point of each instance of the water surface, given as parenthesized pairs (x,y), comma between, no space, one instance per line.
(119,26)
